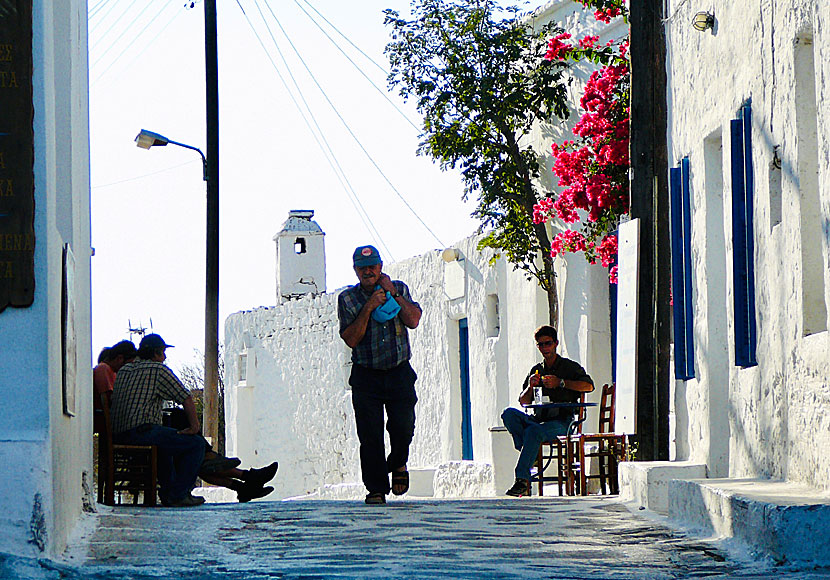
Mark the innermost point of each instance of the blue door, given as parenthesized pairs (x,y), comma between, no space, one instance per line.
(466,412)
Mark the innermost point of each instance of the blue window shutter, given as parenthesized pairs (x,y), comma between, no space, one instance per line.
(743,247)
(681,272)
(687,267)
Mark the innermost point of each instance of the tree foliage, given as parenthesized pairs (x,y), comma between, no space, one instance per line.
(478,75)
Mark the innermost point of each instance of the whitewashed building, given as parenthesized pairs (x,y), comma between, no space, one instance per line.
(749,148)
(287,394)
(45,376)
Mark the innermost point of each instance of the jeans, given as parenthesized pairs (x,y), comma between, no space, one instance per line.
(528,434)
(179,456)
(372,392)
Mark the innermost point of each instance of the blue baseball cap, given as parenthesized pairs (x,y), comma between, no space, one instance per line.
(153,341)
(366,256)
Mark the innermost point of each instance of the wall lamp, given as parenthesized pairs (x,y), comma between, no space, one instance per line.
(703,21)
(146,139)
(450,255)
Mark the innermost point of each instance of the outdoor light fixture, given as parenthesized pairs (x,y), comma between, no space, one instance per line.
(450,255)
(146,139)
(703,21)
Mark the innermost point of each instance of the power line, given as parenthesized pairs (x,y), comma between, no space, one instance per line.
(360,70)
(145,175)
(116,21)
(327,152)
(345,124)
(131,44)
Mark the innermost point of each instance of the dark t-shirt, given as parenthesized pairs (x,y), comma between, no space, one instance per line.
(564,368)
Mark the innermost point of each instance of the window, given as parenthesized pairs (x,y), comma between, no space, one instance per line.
(299,246)
(743,242)
(681,262)
(813,248)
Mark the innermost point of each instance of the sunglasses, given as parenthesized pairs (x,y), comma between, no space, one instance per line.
(545,343)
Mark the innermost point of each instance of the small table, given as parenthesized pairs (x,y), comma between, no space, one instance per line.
(576,405)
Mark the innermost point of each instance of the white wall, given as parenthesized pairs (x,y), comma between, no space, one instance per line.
(772,420)
(295,404)
(46,454)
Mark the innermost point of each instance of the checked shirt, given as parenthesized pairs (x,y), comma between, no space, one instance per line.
(141,387)
(385,344)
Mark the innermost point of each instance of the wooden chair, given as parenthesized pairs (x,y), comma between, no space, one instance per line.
(132,468)
(607,447)
(555,450)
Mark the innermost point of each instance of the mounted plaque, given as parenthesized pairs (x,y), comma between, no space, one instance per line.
(17,194)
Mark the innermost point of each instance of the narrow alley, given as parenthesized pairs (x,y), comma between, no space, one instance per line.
(567,538)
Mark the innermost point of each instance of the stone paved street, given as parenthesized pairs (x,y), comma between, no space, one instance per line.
(573,538)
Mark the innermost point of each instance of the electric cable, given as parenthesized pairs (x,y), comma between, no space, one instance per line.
(383,93)
(348,128)
(137,177)
(131,44)
(331,158)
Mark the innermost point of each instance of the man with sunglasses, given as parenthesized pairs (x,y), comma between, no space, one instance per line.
(562,381)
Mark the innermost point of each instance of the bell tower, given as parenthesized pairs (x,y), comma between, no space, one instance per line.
(301,256)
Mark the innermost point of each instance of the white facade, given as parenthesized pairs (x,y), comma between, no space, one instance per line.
(771,420)
(301,256)
(287,395)
(47,454)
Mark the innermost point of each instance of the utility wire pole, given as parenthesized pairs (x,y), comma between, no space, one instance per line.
(650,203)
(210,416)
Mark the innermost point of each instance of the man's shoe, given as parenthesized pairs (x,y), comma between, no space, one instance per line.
(187,501)
(376,498)
(263,475)
(251,491)
(521,487)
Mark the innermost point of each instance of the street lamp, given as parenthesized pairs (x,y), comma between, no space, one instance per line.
(146,139)
(210,417)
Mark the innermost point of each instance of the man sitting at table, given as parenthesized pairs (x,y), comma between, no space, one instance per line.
(562,381)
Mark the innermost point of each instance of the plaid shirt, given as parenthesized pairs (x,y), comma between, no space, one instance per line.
(385,344)
(141,387)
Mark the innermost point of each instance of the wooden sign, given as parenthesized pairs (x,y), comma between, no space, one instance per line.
(17,195)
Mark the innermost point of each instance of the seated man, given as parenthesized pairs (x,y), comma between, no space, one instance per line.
(141,387)
(563,381)
(110,362)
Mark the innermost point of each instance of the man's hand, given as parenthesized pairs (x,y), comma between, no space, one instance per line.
(377,298)
(551,381)
(385,282)
(534,380)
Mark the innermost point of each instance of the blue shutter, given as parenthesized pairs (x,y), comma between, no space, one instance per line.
(681,247)
(743,244)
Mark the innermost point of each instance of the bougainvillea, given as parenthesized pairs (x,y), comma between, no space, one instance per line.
(593,168)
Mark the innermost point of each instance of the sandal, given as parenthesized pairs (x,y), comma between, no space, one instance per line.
(376,498)
(400,482)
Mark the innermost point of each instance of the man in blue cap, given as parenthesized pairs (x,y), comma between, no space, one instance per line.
(375,315)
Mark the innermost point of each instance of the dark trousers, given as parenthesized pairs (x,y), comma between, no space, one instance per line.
(179,456)
(372,392)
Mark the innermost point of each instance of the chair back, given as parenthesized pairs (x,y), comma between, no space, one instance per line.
(575,428)
(607,408)
(105,436)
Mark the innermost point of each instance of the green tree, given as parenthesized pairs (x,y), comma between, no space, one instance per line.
(478,76)
(192,374)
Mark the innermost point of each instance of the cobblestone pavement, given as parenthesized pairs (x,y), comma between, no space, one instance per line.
(553,538)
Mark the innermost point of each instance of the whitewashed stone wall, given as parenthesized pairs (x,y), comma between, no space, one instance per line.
(772,420)
(294,405)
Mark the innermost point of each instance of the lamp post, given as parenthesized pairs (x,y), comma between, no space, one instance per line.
(146,139)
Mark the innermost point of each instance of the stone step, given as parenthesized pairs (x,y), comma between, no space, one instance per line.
(787,521)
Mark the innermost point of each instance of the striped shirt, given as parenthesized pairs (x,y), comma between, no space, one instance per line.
(385,344)
(141,387)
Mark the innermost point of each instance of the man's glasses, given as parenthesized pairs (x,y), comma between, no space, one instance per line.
(544,343)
